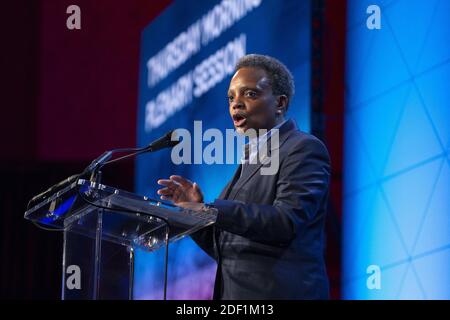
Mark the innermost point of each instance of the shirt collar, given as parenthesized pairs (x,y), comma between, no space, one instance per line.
(260,141)
(264,137)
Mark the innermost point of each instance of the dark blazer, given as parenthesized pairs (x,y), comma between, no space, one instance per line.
(268,239)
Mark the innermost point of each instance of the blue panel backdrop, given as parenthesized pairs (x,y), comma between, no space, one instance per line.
(189,82)
(397,140)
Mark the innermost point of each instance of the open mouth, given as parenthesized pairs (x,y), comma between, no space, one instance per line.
(239,120)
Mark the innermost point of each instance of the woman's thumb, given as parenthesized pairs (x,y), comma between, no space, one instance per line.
(197,188)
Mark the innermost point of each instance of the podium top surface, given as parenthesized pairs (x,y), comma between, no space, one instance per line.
(128,218)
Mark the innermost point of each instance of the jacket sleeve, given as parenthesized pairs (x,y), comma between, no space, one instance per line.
(204,238)
(302,186)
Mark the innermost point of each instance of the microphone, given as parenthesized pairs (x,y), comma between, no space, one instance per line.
(53,188)
(166,141)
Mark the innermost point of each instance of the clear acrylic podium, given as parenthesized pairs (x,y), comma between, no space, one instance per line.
(103,227)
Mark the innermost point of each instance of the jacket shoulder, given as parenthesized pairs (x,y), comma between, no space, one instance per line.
(302,140)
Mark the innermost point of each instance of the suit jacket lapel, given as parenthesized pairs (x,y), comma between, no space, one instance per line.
(253,168)
(226,191)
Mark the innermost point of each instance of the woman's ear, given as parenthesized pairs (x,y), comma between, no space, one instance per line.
(282,105)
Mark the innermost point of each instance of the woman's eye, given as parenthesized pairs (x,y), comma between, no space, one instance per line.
(251,94)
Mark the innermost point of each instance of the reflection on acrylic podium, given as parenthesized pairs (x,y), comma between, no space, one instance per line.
(103,227)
